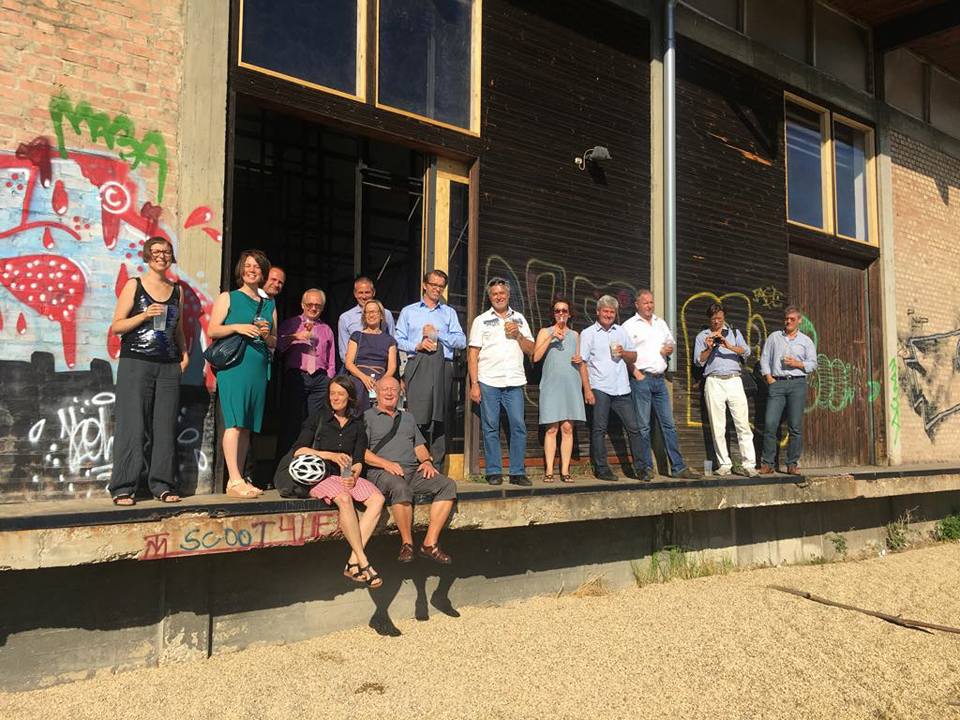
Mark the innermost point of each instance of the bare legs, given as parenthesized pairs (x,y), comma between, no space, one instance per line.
(357,531)
(566,446)
(439,512)
(236,443)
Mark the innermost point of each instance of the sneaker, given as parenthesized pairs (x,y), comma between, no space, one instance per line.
(750,472)
(722,471)
(520,480)
(606,475)
(646,475)
(495,479)
(686,474)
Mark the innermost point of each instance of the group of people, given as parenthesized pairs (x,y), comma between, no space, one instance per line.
(337,424)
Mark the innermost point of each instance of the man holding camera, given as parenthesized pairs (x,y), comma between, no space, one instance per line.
(721,350)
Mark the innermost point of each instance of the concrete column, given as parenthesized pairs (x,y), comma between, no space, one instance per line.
(656,158)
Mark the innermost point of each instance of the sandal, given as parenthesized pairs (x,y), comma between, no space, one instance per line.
(242,490)
(168,496)
(566,478)
(433,552)
(548,478)
(124,500)
(356,575)
(370,577)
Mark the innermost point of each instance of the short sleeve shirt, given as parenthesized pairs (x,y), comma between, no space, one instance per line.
(400,449)
(500,363)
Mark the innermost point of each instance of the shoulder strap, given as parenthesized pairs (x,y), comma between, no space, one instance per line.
(390,435)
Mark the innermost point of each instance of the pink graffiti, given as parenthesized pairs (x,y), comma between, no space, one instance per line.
(61,201)
(200,216)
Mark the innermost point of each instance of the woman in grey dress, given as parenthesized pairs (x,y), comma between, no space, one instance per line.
(561,389)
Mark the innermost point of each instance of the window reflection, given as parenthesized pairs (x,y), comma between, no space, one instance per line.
(851,176)
(804,175)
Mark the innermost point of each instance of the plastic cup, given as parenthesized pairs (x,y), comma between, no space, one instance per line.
(708,467)
(615,350)
(160,321)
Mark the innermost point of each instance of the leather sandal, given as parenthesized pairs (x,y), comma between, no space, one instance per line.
(566,478)
(370,577)
(433,552)
(355,575)
(124,500)
(168,496)
(242,490)
(548,478)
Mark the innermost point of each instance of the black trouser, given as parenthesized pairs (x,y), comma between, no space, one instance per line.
(302,395)
(145,419)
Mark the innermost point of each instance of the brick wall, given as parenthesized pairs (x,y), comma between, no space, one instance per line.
(91,96)
(926,206)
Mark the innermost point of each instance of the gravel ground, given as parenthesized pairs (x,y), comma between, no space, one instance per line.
(717,647)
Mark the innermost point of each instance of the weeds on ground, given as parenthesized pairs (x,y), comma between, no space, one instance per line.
(948,529)
(898,532)
(593,587)
(675,563)
(839,544)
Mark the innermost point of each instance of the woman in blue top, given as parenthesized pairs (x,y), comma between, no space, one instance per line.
(152,358)
(242,389)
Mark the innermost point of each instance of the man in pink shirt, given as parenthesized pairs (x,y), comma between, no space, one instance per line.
(305,345)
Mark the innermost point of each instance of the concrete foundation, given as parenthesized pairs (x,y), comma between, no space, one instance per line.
(74,621)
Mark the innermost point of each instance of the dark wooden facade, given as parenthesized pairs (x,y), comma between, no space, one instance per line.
(561,77)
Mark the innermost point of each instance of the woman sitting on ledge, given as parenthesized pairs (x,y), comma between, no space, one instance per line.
(339,438)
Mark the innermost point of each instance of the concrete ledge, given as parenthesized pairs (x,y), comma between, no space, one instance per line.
(44,535)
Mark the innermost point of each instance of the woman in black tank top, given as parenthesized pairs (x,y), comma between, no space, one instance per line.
(153,357)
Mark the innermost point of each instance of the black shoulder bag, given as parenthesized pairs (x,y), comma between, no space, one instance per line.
(746,374)
(382,443)
(228,351)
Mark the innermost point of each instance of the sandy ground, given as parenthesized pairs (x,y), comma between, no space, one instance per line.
(717,647)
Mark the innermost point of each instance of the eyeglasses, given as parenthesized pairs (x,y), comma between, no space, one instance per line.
(438,286)
(561,311)
(161,253)
(497,281)
(313,305)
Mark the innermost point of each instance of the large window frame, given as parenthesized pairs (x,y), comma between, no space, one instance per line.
(828,179)
(476,39)
(360,85)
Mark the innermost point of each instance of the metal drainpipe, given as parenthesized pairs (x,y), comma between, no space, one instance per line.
(670,175)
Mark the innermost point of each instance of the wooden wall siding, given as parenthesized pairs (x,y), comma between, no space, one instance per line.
(560,77)
(836,423)
(732,239)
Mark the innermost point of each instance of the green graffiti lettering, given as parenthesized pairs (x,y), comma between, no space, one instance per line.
(873,390)
(895,399)
(117,133)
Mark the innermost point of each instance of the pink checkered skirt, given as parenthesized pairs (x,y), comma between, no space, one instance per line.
(333,486)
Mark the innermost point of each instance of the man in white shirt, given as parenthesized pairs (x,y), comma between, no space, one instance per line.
(605,352)
(499,338)
(654,343)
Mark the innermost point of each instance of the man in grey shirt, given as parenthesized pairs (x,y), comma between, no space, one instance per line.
(788,357)
(401,468)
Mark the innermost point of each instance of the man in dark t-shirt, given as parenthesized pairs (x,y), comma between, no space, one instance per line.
(401,467)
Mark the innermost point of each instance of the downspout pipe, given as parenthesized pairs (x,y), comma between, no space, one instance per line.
(670,173)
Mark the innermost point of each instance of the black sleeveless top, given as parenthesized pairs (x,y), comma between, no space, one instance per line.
(145,343)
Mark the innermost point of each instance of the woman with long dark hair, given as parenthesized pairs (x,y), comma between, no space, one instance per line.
(153,356)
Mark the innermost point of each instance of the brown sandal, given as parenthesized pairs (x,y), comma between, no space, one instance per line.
(548,478)
(242,490)
(566,479)
(433,552)
(356,575)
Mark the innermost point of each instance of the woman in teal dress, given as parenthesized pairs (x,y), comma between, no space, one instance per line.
(561,388)
(242,389)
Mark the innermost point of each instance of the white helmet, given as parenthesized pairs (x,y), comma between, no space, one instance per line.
(307,469)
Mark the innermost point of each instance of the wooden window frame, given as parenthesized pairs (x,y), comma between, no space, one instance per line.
(869,149)
(826,163)
(361,60)
(476,42)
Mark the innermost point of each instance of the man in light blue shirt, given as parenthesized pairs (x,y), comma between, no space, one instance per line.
(721,350)
(788,357)
(429,332)
(351,320)
(605,350)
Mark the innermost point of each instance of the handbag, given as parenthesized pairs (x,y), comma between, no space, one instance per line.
(227,351)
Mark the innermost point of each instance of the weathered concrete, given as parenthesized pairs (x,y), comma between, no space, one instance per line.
(67,622)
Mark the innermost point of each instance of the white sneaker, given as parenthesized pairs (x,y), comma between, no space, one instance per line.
(751,471)
(723,470)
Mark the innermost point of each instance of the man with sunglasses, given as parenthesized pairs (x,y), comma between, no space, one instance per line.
(305,344)
(499,338)
(429,332)
(788,357)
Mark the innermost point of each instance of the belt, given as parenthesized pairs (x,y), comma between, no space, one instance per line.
(724,377)
(778,378)
(647,373)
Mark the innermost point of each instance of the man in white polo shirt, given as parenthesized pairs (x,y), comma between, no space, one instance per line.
(654,343)
(499,338)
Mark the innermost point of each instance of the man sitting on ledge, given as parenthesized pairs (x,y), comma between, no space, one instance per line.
(401,467)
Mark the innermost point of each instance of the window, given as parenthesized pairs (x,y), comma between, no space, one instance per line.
(944,102)
(831,180)
(903,81)
(429,58)
(285,44)
(805,159)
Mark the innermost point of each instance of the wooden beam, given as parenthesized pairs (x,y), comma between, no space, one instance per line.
(913,26)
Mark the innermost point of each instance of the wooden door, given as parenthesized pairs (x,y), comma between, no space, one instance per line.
(837,431)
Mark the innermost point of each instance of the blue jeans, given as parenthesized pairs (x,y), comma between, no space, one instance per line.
(793,395)
(651,393)
(511,400)
(623,407)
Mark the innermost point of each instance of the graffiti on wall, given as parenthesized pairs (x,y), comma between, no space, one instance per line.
(931,377)
(72,226)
